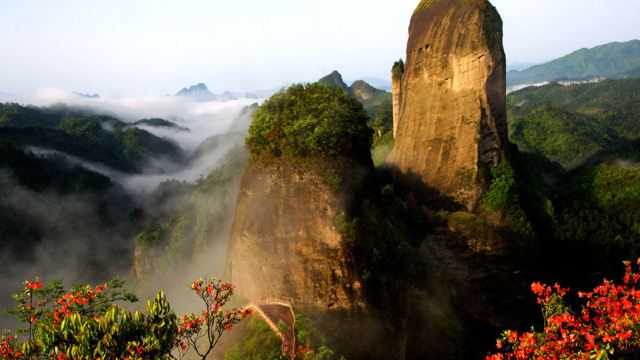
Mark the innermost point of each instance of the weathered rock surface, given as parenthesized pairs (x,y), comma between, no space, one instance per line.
(396,86)
(286,243)
(451,117)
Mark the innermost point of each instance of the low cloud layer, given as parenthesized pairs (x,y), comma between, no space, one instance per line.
(204,119)
(75,231)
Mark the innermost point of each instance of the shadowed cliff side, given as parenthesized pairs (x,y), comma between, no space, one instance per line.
(287,241)
(451,117)
(315,229)
(291,238)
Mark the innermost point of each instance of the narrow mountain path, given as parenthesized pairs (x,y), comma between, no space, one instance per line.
(274,313)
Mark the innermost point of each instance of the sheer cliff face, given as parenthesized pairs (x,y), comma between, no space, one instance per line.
(396,83)
(287,241)
(452,117)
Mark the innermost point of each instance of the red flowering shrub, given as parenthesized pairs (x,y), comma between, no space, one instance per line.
(210,325)
(608,324)
(84,323)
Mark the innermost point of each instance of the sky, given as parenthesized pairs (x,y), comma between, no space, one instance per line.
(137,47)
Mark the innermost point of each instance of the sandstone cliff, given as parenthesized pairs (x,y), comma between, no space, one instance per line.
(451,119)
(396,81)
(288,241)
(290,235)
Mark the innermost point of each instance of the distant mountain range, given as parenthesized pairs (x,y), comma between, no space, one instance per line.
(377,83)
(372,98)
(201,93)
(86,96)
(520,66)
(198,92)
(615,60)
(368,87)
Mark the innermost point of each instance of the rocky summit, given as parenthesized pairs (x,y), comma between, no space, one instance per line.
(451,118)
(198,92)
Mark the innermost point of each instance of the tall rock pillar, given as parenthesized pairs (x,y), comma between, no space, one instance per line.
(452,113)
(396,95)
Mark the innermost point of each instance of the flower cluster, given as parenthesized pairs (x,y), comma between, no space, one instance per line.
(75,300)
(607,324)
(8,347)
(33,285)
(85,322)
(213,320)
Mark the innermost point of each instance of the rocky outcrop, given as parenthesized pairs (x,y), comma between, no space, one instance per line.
(451,118)
(396,81)
(198,92)
(335,79)
(289,240)
(364,92)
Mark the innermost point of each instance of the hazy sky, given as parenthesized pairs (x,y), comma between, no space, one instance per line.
(136,47)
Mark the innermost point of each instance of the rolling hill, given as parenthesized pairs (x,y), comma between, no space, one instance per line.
(614,60)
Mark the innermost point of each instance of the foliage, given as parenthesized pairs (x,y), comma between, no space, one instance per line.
(157,122)
(606,185)
(310,120)
(28,181)
(95,138)
(570,124)
(389,229)
(373,100)
(213,321)
(41,173)
(85,323)
(605,328)
(260,343)
(600,214)
(575,136)
(12,114)
(504,199)
(398,68)
(343,225)
(381,150)
(562,137)
(612,60)
(334,79)
(382,125)
(202,217)
(502,188)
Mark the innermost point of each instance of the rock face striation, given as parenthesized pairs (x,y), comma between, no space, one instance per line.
(292,237)
(288,240)
(396,90)
(451,116)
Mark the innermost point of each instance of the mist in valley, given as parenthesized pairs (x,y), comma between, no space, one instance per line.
(89,237)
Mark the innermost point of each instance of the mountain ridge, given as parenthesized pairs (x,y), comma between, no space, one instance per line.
(611,60)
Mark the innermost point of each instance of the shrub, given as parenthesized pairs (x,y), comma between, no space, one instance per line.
(309,120)
(398,68)
(605,328)
(85,323)
(260,343)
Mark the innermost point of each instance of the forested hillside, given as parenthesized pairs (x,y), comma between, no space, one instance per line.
(571,124)
(97,138)
(615,60)
(585,141)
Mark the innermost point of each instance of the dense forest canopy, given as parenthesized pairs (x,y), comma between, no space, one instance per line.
(308,120)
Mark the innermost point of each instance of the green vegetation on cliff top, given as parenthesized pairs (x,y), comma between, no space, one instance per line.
(398,68)
(310,120)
